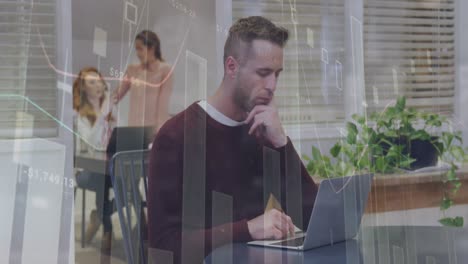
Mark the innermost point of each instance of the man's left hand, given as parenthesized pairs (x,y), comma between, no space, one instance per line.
(266,125)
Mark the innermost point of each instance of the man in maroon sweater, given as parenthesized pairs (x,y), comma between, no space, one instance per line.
(214,165)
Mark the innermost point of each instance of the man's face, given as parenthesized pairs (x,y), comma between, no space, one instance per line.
(256,79)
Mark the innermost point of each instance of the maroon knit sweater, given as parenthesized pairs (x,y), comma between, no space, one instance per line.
(206,180)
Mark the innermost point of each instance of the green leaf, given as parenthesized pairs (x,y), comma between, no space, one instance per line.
(395,151)
(326,159)
(391,134)
(335,150)
(363,162)
(316,153)
(381,123)
(456,186)
(457,152)
(349,170)
(384,139)
(420,134)
(458,221)
(452,221)
(448,138)
(351,127)
(406,162)
(439,147)
(359,119)
(401,103)
(391,112)
(445,204)
(451,175)
(351,138)
(311,168)
(372,137)
(380,164)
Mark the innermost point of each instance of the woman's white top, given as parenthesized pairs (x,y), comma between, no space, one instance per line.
(94,137)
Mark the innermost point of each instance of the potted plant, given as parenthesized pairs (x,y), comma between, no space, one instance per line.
(396,139)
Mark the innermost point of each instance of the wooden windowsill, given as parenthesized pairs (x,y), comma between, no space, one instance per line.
(405,191)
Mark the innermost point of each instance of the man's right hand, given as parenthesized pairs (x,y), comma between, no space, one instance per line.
(271,225)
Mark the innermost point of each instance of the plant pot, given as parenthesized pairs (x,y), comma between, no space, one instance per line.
(423,151)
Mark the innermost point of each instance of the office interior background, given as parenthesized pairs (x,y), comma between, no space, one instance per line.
(344,57)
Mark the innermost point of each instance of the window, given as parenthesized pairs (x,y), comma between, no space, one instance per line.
(24,69)
(409,50)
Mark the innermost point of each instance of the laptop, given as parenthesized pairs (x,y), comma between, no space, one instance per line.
(130,138)
(336,215)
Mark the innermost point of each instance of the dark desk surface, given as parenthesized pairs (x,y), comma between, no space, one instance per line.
(393,244)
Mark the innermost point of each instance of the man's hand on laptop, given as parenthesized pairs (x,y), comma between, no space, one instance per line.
(266,124)
(273,224)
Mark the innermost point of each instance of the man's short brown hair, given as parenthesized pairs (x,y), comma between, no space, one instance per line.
(248,29)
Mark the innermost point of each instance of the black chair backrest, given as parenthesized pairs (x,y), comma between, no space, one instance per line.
(126,169)
(129,138)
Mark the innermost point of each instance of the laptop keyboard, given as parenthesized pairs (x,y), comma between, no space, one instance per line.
(296,242)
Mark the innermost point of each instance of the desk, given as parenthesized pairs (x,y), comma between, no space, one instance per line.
(95,161)
(374,245)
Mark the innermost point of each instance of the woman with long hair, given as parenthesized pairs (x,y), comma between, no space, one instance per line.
(150,83)
(94,123)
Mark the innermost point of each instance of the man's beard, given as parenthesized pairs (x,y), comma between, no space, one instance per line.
(241,99)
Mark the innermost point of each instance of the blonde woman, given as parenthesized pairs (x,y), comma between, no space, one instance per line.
(94,123)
